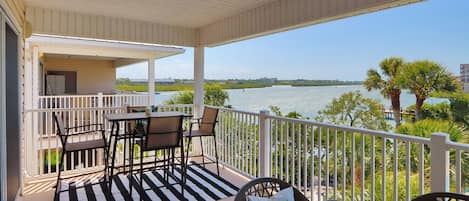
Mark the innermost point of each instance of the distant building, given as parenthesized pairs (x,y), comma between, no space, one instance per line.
(464,70)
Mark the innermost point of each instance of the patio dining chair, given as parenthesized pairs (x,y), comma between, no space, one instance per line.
(163,133)
(206,128)
(70,146)
(133,126)
(266,187)
(137,127)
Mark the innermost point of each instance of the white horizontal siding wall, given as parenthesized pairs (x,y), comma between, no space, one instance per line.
(63,23)
(283,15)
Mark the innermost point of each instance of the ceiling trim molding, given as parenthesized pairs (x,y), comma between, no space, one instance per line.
(283,15)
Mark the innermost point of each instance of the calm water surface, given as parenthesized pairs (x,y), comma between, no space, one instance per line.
(305,100)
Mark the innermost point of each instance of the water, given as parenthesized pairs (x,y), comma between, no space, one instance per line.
(304,100)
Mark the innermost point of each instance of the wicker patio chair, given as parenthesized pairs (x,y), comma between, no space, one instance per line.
(206,128)
(443,196)
(266,187)
(84,145)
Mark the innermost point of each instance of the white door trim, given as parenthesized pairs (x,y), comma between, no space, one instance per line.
(3,150)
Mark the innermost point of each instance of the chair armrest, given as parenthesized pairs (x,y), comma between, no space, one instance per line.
(84,126)
(96,128)
(214,122)
(84,132)
(196,120)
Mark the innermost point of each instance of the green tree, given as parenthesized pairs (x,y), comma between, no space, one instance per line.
(459,103)
(276,110)
(184,97)
(424,128)
(123,81)
(387,83)
(440,111)
(352,109)
(214,95)
(425,77)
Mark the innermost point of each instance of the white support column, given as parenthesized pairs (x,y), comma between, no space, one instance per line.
(100,100)
(36,83)
(35,116)
(264,144)
(28,104)
(198,81)
(439,165)
(151,81)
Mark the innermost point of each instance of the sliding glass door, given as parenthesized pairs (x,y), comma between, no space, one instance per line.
(10,117)
(13,131)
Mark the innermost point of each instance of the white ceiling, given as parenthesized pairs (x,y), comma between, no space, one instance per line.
(186,13)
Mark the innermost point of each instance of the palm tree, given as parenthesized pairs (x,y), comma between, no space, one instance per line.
(424,77)
(387,83)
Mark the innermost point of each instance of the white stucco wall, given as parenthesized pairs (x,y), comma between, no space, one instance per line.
(93,76)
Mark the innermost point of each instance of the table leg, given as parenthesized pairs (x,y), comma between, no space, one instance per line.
(131,162)
(113,162)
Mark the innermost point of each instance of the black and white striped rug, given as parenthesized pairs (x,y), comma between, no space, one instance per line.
(201,185)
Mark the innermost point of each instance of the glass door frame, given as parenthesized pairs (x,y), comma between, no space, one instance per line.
(3,165)
(5,20)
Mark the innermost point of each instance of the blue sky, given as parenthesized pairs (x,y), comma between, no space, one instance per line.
(345,49)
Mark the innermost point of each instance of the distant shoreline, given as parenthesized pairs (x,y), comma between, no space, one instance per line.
(134,87)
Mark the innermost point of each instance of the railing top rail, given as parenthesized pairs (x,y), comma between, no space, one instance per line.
(72,109)
(233,110)
(357,130)
(458,146)
(68,96)
(111,95)
(176,105)
(90,95)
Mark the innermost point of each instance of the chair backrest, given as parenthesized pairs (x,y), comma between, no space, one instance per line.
(133,109)
(60,128)
(209,120)
(443,196)
(266,187)
(163,132)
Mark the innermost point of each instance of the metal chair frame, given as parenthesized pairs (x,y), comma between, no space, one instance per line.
(199,122)
(266,187)
(64,133)
(442,196)
(167,161)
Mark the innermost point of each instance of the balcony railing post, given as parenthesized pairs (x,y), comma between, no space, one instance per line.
(264,144)
(100,100)
(439,165)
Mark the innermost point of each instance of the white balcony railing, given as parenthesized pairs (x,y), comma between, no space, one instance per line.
(42,147)
(324,161)
(330,162)
(92,101)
